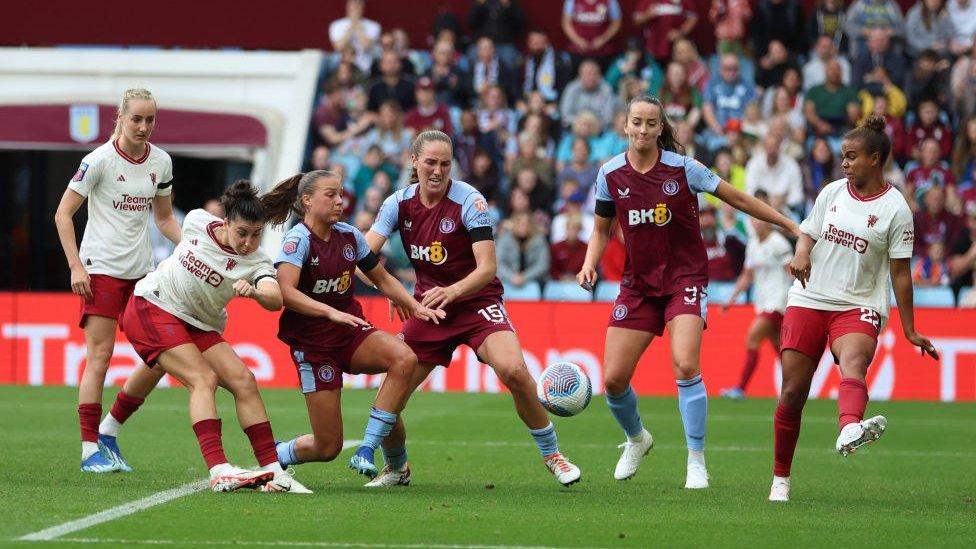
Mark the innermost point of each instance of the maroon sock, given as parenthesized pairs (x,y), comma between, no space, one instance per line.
(208,435)
(852,399)
(262,442)
(752,358)
(786,429)
(125,405)
(88,416)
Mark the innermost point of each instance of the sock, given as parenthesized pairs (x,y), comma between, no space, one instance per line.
(379,425)
(395,458)
(696,456)
(262,442)
(852,399)
(545,439)
(218,469)
(781,480)
(88,449)
(212,448)
(88,416)
(124,406)
(624,410)
(693,405)
(752,358)
(109,426)
(286,452)
(786,431)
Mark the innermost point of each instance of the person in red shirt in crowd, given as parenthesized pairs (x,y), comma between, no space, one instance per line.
(664,22)
(566,257)
(932,270)
(612,264)
(894,128)
(931,172)
(934,224)
(590,26)
(928,125)
(428,114)
(726,253)
(731,20)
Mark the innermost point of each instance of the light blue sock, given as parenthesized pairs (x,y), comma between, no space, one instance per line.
(545,439)
(286,453)
(395,458)
(624,410)
(379,425)
(693,405)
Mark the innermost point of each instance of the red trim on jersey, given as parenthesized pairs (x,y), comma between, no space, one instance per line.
(879,194)
(131,160)
(211,230)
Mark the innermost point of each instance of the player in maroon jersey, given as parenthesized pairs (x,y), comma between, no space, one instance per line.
(651,189)
(447,233)
(324,324)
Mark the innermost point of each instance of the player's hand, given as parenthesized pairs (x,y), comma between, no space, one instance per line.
(923,342)
(586,278)
(430,315)
(244,289)
(346,319)
(800,268)
(726,305)
(439,297)
(401,312)
(81,283)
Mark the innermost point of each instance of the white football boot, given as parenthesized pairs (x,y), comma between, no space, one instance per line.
(285,482)
(389,477)
(230,478)
(566,473)
(855,435)
(634,452)
(780,490)
(697,476)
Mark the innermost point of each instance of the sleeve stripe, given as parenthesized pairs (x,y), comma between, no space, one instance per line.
(166,185)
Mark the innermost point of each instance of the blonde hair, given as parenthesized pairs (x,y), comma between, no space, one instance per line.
(127,96)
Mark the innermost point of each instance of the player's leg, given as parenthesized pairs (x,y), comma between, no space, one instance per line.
(622,351)
(142,381)
(855,351)
(396,471)
(100,341)
(797,372)
(686,337)
(503,352)
(760,329)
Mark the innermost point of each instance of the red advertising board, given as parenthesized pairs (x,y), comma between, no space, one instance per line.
(41,344)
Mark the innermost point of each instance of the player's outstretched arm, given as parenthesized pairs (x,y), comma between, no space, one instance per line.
(165,220)
(756,208)
(594,252)
(64,220)
(901,283)
(484,271)
(741,283)
(391,288)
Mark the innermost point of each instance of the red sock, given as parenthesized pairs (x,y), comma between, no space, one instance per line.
(786,429)
(752,358)
(262,442)
(125,405)
(208,435)
(89,415)
(852,399)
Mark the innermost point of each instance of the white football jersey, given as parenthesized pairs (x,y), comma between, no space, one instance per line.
(196,282)
(856,236)
(771,281)
(120,190)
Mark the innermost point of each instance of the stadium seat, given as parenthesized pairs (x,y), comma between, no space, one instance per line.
(719,292)
(606,291)
(937,296)
(964,292)
(528,292)
(565,291)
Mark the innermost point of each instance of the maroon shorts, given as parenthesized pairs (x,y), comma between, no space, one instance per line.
(637,311)
(109,296)
(775,317)
(809,331)
(151,331)
(470,324)
(320,367)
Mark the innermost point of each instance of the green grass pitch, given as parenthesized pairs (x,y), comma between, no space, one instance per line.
(478,480)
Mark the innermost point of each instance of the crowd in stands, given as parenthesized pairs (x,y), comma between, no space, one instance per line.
(767,111)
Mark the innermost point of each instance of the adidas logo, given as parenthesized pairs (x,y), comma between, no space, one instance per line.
(121,178)
(314,261)
(624,193)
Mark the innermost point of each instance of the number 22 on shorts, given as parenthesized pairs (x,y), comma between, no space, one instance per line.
(871,317)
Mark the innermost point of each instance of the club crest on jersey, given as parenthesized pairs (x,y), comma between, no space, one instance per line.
(336,285)
(447,225)
(231,263)
(436,253)
(348,252)
(624,193)
(620,312)
(872,219)
(83,123)
(80,174)
(290,246)
(670,187)
(326,373)
(152,177)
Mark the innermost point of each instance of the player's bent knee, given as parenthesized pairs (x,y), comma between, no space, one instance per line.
(403,365)
(686,369)
(792,397)
(616,385)
(327,451)
(514,375)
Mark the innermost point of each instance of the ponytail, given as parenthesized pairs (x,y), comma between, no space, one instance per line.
(127,96)
(240,201)
(872,134)
(668,140)
(286,197)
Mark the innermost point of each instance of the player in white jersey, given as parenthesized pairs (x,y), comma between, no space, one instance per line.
(859,231)
(125,181)
(175,318)
(767,255)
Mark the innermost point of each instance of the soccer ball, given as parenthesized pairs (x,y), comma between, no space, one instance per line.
(564,389)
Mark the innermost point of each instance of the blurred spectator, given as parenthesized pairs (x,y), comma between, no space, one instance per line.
(964,153)
(484,176)
(725,99)
(370,204)
(664,22)
(540,197)
(726,253)
(572,207)
(356,31)
(320,158)
(588,92)
(613,141)
(821,168)
(488,69)
(685,135)
(330,118)
(615,255)
(815,71)
(792,82)
(930,172)
(501,21)
(865,16)
(929,80)
(590,26)
(390,135)
(729,171)
(934,223)
(531,157)
(634,63)
(927,27)
(962,258)
(754,126)
(494,116)
(731,18)
(776,174)
(214,207)
(163,247)
(349,79)
(539,120)
(789,111)
(895,130)
(932,270)
(878,62)
(962,80)
(827,19)
(581,168)
(544,70)
(778,20)
(567,255)
(395,41)
(372,163)
(772,66)
(962,13)
(831,107)
(391,85)
(893,174)
(585,127)
(450,80)
(428,114)
(686,53)
(522,253)
(470,138)
(928,126)
(680,99)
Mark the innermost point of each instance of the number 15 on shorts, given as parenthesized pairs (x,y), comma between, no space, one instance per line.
(495,314)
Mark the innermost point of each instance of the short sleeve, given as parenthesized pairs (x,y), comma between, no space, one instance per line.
(615,13)
(265,270)
(700,178)
(568,7)
(362,248)
(388,216)
(602,191)
(474,212)
(294,249)
(164,187)
(901,235)
(88,174)
(813,224)
(750,262)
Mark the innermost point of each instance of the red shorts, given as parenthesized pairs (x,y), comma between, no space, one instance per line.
(809,331)
(151,331)
(637,311)
(109,296)
(320,368)
(470,324)
(775,317)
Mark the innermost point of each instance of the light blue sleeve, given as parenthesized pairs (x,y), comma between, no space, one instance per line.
(294,248)
(362,248)
(568,7)
(602,192)
(388,216)
(474,212)
(615,14)
(700,178)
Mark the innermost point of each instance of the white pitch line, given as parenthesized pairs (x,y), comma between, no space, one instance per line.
(285,543)
(126,509)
